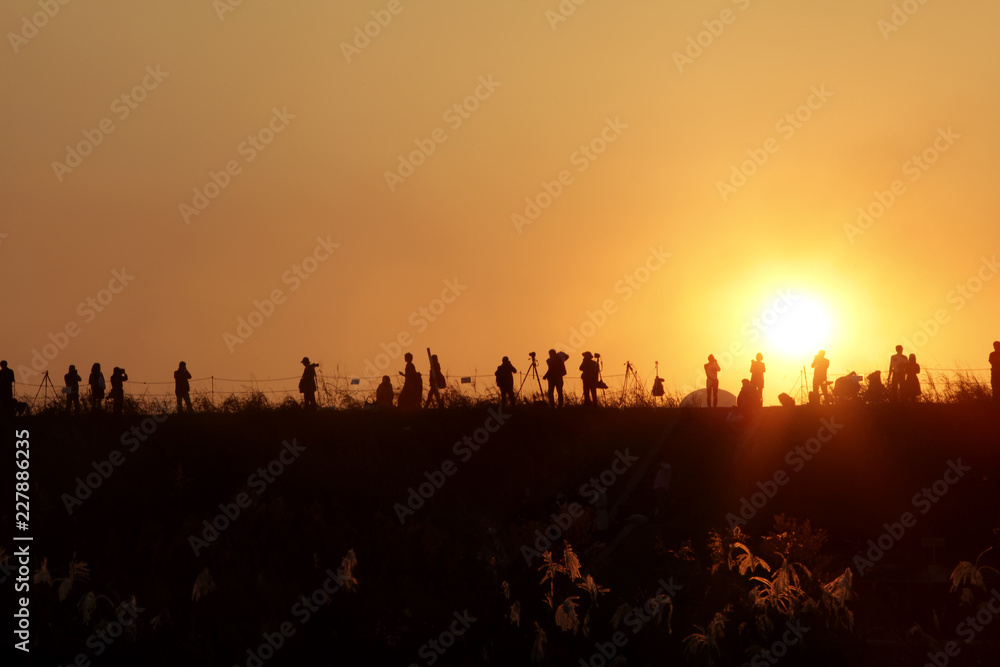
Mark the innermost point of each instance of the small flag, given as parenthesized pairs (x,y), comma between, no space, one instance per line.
(355,381)
(467,380)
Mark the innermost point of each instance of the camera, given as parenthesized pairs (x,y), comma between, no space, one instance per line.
(597,355)
(531,354)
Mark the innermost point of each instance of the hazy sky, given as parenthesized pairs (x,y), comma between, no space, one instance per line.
(694,165)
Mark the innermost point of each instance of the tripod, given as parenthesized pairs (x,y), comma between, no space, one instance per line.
(531,372)
(637,388)
(44,387)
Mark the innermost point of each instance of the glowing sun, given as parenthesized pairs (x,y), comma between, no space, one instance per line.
(804,327)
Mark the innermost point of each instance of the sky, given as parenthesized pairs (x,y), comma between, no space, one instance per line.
(240,184)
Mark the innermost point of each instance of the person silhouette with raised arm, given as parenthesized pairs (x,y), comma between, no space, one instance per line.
(307,384)
(182,387)
(117,394)
(97,386)
(995,371)
(505,382)
(73,380)
(712,369)
(757,371)
(589,374)
(554,376)
(894,380)
(820,365)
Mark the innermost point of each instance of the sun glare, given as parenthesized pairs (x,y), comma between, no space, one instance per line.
(803,329)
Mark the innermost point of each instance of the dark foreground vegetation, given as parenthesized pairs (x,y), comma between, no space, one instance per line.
(855,535)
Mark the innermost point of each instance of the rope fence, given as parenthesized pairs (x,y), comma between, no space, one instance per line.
(216,390)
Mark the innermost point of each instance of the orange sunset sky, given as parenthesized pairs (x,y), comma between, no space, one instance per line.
(687,176)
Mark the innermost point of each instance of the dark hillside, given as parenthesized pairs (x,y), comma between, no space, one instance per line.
(342,481)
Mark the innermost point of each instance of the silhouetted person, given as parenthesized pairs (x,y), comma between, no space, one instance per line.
(847,387)
(589,374)
(97,386)
(876,390)
(73,381)
(757,371)
(182,386)
(747,398)
(897,362)
(554,376)
(410,394)
(117,394)
(384,394)
(505,381)
(910,387)
(995,371)
(712,369)
(307,385)
(437,381)
(6,389)
(820,365)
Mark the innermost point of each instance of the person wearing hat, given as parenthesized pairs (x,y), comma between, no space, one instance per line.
(589,375)
(73,381)
(182,388)
(712,369)
(307,385)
